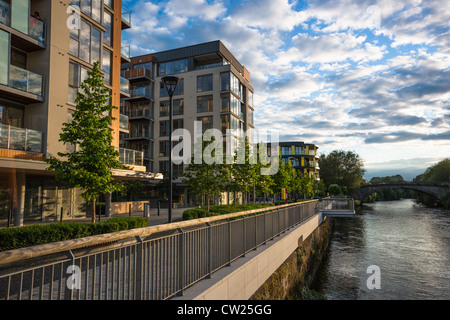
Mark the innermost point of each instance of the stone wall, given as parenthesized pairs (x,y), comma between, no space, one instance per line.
(298,271)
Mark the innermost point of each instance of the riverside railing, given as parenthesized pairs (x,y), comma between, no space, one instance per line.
(336,204)
(142,264)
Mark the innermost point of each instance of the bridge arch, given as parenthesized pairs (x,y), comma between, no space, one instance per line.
(437,191)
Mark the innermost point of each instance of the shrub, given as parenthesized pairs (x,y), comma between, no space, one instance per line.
(40,234)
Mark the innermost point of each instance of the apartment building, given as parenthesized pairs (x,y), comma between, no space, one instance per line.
(46,50)
(214,90)
(303,156)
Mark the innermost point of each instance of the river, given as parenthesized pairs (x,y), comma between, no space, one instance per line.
(409,243)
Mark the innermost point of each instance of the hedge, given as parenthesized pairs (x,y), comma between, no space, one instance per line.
(39,234)
(197,213)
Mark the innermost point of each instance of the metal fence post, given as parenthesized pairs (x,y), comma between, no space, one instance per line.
(181,263)
(209,249)
(139,268)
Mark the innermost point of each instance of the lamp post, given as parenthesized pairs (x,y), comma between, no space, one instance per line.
(170,83)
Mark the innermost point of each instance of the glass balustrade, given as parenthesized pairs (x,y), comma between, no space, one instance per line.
(26,80)
(14,138)
(131,157)
(124,85)
(123,123)
(125,50)
(126,15)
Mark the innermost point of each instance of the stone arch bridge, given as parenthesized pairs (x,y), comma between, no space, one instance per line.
(437,190)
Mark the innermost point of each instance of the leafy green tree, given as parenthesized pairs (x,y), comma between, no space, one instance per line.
(263,182)
(90,166)
(203,178)
(435,173)
(343,168)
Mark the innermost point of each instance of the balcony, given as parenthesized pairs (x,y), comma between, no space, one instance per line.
(125,53)
(140,93)
(20,139)
(124,87)
(123,123)
(126,18)
(139,114)
(131,157)
(138,75)
(27,32)
(139,134)
(23,86)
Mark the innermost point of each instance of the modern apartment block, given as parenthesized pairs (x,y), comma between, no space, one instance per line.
(46,50)
(303,156)
(214,89)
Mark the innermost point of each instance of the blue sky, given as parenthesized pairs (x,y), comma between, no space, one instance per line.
(372,76)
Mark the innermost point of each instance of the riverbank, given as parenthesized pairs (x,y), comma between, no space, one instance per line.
(293,279)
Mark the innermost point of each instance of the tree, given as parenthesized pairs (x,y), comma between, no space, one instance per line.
(203,178)
(435,173)
(342,168)
(90,166)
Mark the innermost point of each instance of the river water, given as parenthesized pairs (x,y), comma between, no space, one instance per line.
(410,244)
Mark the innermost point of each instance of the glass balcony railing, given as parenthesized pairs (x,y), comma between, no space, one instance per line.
(36,29)
(124,85)
(14,138)
(26,80)
(141,92)
(125,50)
(126,15)
(131,157)
(123,123)
(138,113)
(141,133)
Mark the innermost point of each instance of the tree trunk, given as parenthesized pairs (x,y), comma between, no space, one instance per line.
(93,210)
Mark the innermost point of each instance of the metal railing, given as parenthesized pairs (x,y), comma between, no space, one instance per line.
(336,203)
(151,267)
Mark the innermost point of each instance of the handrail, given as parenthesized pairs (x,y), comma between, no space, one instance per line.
(61,246)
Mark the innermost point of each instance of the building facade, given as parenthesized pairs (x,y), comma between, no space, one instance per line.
(46,50)
(214,91)
(303,156)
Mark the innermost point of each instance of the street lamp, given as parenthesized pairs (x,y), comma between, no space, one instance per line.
(170,83)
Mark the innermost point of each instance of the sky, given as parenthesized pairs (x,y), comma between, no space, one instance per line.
(366,76)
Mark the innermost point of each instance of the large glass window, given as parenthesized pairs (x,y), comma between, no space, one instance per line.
(250,117)
(173,67)
(107,20)
(164,126)
(179,89)
(205,83)
(85,43)
(207,123)
(20,15)
(4,57)
(92,8)
(107,66)
(205,103)
(77,74)
(178,107)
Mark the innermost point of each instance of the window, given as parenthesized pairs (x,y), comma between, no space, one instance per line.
(178,107)
(207,123)
(91,8)
(225,81)
(4,57)
(85,43)
(18,58)
(107,20)
(300,150)
(164,148)
(77,74)
(250,98)
(250,117)
(107,66)
(173,67)
(285,151)
(164,126)
(205,83)
(178,90)
(205,103)
(109,3)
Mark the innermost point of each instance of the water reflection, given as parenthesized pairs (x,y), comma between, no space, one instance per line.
(408,242)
